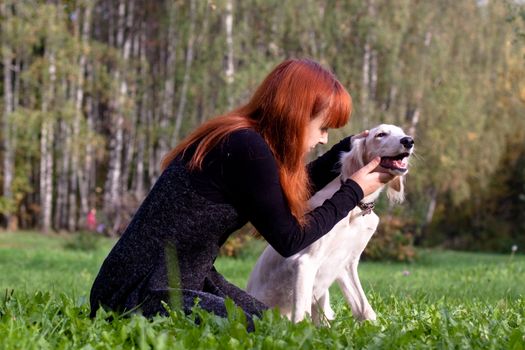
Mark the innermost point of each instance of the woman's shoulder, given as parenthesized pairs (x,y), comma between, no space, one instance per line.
(246,136)
(247,142)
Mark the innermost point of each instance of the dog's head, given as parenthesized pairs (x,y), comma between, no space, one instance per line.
(393,146)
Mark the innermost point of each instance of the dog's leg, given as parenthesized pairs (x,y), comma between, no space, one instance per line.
(354,294)
(303,290)
(321,309)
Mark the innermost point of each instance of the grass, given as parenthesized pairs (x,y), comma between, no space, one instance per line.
(444,300)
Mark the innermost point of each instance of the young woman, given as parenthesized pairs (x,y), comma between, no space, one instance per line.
(247,165)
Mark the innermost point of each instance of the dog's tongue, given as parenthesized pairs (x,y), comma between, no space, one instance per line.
(396,164)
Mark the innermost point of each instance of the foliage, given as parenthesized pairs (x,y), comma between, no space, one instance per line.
(391,244)
(450,72)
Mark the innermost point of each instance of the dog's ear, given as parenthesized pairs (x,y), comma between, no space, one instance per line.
(396,190)
(353,160)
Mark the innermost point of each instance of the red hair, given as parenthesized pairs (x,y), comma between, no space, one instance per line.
(294,93)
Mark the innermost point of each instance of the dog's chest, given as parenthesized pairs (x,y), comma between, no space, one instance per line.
(342,245)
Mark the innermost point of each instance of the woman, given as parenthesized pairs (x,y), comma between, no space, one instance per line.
(247,165)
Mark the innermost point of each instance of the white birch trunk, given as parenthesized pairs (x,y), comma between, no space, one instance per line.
(202,101)
(230,69)
(5,125)
(368,71)
(78,180)
(419,95)
(114,186)
(373,76)
(46,149)
(6,128)
(431,206)
(365,83)
(112,194)
(131,135)
(138,178)
(187,72)
(413,123)
(168,95)
(154,160)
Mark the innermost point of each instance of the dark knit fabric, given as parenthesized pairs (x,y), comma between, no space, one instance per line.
(167,251)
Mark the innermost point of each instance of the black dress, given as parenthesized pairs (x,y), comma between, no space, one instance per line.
(167,251)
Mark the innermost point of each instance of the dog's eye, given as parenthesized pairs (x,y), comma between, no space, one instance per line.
(381,134)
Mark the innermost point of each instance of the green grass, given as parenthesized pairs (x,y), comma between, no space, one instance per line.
(444,300)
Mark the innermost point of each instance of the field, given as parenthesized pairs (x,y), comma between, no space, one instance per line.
(446,300)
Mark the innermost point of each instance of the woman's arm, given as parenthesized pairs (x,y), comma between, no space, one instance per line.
(325,168)
(252,184)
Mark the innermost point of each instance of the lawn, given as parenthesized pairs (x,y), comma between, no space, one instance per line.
(444,300)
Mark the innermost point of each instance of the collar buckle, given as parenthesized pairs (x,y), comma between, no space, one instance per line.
(366,207)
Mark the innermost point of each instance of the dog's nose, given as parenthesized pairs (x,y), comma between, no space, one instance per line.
(407,142)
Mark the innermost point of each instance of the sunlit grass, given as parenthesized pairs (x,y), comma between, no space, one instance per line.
(444,300)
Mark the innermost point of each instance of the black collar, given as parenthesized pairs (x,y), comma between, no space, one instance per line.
(366,207)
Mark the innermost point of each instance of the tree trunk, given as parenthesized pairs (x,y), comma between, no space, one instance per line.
(113,191)
(131,134)
(369,70)
(78,178)
(420,92)
(187,72)
(168,94)
(63,138)
(7,146)
(88,185)
(46,148)
(431,206)
(373,76)
(142,110)
(5,127)
(230,69)
(413,123)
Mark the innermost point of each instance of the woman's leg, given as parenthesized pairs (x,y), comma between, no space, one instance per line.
(152,305)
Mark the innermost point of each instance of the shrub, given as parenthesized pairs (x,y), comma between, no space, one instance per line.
(83,240)
(394,240)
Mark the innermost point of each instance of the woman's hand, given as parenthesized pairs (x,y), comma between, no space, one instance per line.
(371,179)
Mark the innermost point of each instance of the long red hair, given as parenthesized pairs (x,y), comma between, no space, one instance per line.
(293,94)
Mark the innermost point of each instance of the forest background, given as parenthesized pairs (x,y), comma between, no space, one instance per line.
(94,93)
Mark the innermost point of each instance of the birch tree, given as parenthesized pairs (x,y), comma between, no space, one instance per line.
(230,68)
(7,146)
(46,143)
(168,93)
(187,72)
(77,178)
(113,190)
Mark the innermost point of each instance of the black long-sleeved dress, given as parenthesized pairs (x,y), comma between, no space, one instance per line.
(167,251)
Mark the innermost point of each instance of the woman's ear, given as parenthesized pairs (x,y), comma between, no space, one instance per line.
(396,190)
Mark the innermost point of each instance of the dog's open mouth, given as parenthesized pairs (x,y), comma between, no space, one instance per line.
(398,163)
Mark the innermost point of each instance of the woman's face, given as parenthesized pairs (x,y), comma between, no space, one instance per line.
(316,133)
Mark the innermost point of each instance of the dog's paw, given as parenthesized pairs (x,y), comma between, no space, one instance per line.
(329,314)
(369,315)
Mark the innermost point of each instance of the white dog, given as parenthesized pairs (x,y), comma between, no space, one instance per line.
(298,285)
